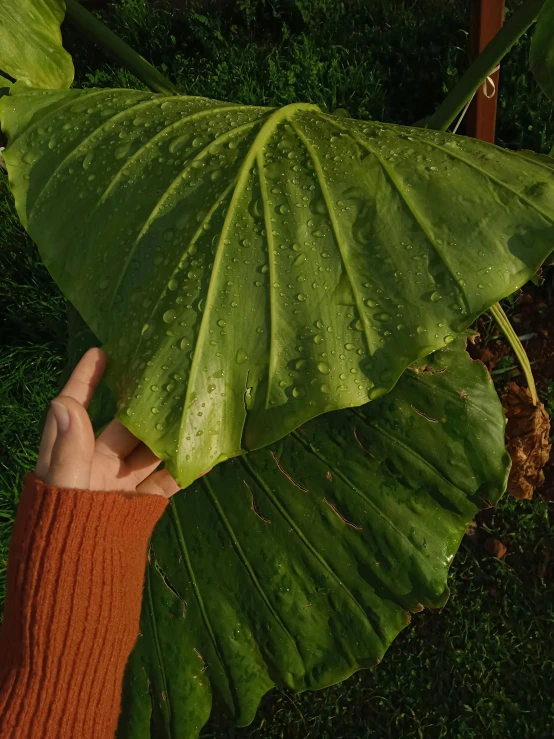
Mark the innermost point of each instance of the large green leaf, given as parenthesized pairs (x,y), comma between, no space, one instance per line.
(31,43)
(541,57)
(247,269)
(298,564)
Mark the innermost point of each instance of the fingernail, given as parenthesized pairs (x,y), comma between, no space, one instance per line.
(61,415)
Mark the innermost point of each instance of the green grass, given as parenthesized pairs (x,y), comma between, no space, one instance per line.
(483,665)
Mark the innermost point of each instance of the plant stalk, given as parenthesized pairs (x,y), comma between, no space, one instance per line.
(114,47)
(488,59)
(502,320)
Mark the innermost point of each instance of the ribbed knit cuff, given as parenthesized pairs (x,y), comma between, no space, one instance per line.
(75,577)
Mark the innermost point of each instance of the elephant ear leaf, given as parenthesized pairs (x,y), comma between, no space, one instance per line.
(298,564)
(541,57)
(31,48)
(247,269)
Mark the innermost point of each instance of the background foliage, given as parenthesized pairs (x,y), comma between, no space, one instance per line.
(483,665)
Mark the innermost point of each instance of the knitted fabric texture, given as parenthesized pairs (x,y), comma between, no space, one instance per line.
(76,569)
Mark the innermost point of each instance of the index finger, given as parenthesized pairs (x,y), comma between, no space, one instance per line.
(86,376)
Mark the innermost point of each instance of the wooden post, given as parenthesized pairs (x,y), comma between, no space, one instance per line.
(487,18)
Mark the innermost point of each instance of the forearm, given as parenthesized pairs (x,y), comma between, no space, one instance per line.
(75,577)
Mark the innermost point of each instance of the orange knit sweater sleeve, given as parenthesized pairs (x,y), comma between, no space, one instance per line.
(76,569)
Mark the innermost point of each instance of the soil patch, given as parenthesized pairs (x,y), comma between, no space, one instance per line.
(528,428)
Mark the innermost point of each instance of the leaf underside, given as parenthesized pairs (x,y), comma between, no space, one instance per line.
(31,43)
(297,565)
(247,269)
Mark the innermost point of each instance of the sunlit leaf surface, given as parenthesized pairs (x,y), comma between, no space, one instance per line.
(31,43)
(247,269)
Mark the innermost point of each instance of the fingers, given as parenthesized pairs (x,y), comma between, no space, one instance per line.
(117,441)
(86,376)
(46,445)
(159,483)
(142,462)
(79,388)
(68,462)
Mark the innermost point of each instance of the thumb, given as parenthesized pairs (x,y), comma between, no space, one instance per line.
(73,450)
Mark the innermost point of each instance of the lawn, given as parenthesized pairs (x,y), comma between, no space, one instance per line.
(483,665)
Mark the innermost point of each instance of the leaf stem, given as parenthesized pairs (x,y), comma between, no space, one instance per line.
(116,48)
(502,320)
(487,60)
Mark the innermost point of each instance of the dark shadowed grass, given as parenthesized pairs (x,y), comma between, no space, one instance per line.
(482,667)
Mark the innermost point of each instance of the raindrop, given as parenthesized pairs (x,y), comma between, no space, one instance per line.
(298,391)
(173,284)
(87,161)
(301,297)
(221,323)
(178,143)
(436,296)
(353,193)
(122,150)
(273,171)
(324,368)
(318,207)
(383,316)
(169,316)
(241,356)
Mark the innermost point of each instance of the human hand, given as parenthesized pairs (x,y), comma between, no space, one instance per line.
(70,456)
